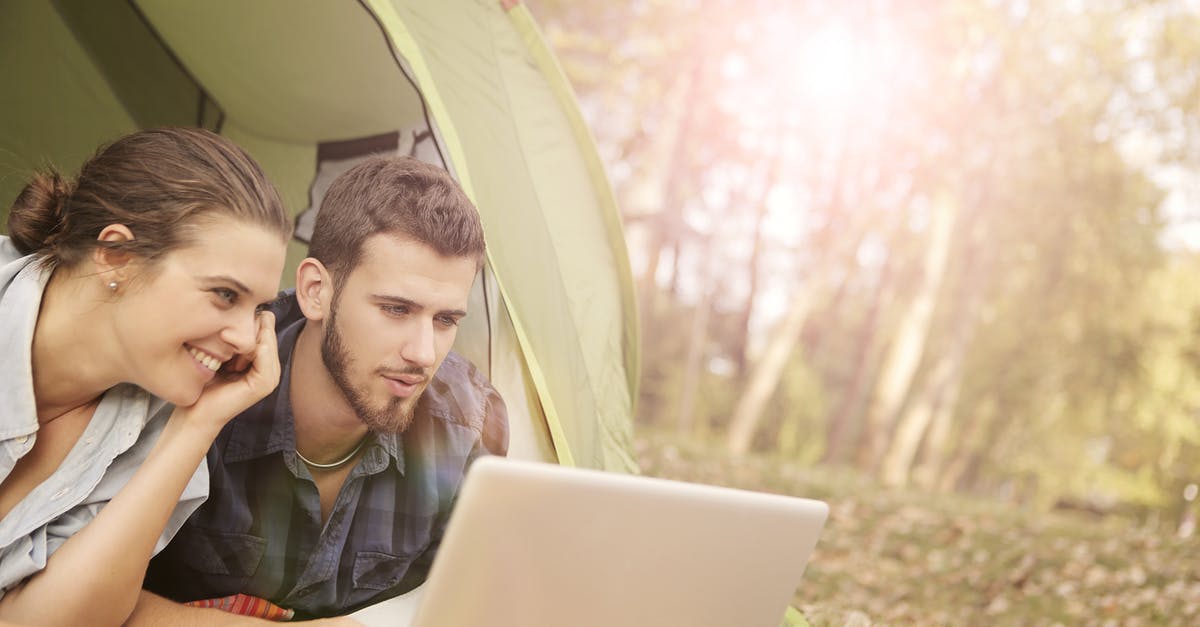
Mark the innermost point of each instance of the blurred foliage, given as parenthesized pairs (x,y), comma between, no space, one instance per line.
(1049,355)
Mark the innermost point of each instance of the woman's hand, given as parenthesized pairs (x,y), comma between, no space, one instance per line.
(242,381)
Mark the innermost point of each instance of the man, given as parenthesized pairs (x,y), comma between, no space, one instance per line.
(333,492)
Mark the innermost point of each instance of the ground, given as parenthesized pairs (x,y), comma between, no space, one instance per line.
(903,557)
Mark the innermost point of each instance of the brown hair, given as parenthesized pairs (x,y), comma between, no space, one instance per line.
(160,183)
(397,195)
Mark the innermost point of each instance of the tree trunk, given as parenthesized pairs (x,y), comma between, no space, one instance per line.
(767,372)
(939,394)
(937,442)
(742,341)
(978,422)
(816,328)
(843,427)
(913,331)
(765,376)
(939,388)
(693,365)
(659,191)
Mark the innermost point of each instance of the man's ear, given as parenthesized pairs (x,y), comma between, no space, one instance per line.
(112,264)
(314,289)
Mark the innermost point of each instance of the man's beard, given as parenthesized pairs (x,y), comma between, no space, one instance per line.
(394,416)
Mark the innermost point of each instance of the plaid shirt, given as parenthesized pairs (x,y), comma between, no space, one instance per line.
(260,531)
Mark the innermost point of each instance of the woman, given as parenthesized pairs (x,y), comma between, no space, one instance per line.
(131,288)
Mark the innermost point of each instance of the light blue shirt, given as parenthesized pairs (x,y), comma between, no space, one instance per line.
(118,438)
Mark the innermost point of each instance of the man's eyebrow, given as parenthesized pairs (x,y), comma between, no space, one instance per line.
(224,278)
(397,300)
(411,304)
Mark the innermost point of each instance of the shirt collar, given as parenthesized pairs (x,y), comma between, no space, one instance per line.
(22,282)
(390,443)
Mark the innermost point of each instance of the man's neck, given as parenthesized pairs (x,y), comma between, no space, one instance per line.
(326,425)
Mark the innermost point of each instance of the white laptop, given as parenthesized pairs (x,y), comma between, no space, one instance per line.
(532,545)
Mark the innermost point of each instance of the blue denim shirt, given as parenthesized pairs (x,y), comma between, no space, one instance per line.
(116,440)
(260,533)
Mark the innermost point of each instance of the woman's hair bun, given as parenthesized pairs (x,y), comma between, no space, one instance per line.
(38,214)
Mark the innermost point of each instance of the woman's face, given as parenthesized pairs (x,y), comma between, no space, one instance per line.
(180,320)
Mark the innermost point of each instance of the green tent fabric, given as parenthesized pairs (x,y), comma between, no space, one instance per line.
(299,82)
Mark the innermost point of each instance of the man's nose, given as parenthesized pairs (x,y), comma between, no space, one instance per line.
(419,349)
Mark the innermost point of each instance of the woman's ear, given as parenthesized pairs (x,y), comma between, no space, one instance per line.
(112,263)
(314,289)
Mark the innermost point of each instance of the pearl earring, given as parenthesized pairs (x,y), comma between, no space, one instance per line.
(112,286)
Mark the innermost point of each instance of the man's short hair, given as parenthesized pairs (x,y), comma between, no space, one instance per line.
(399,196)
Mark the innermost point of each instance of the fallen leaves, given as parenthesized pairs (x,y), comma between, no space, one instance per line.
(892,556)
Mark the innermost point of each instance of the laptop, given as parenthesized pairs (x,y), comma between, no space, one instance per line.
(532,544)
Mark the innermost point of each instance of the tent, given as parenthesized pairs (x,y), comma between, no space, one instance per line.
(307,86)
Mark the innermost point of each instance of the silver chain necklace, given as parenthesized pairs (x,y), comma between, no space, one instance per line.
(338,462)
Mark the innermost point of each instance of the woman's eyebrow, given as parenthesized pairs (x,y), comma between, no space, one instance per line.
(224,278)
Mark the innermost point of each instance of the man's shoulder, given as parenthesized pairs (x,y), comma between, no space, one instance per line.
(286,308)
(459,392)
(457,368)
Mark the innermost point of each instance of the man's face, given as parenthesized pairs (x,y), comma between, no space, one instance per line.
(391,325)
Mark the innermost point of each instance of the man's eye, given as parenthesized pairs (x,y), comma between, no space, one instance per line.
(447,321)
(395,310)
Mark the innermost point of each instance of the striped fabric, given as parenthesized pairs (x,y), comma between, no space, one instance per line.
(246,606)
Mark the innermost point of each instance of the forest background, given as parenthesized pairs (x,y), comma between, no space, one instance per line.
(943,248)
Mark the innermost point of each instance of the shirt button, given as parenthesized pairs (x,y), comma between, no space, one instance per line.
(23,439)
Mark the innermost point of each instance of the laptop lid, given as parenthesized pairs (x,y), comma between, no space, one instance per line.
(532,544)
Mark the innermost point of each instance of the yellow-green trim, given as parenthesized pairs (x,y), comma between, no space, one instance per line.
(548,65)
(406,47)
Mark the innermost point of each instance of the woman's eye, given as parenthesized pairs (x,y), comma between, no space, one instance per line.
(226,295)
